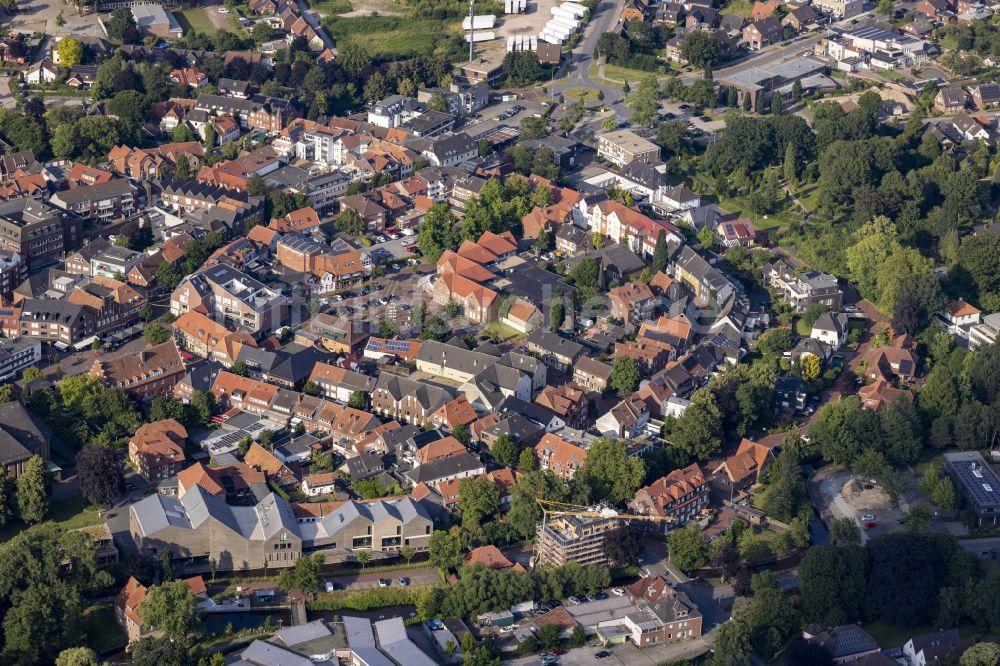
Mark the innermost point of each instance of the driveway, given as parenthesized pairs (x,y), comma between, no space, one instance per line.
(6,98)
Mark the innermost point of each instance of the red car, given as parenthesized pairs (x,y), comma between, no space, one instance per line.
(559,652)
(411,248)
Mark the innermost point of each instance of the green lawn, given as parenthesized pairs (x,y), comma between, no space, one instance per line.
(891,636)
(801,328)
(738,7)
(395,37)
(809,196)
(580,94)
(613,74)
(893,75)
(777,219)
(331,7)
(68,514)
(194,18)
(503,331)
(103,633)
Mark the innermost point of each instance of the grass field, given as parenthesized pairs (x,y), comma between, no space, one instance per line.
(331,7)
(395,36)
(194,18)
(739,7)
(68,514)
(103,633)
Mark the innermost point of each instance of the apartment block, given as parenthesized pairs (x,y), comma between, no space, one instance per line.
(233,297)
(572,539)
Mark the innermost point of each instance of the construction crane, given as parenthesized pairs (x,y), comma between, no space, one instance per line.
(551,508)
(554,509)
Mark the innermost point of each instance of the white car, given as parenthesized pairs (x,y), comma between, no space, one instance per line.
(394,236)
(223,10)
(618,591)
(868,517)
(409,232)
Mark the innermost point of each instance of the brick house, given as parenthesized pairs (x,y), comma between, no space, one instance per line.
(679,496)
(157,449)
(149,373)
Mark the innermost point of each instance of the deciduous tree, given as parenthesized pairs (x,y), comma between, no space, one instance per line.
(445,549)
(173,609)
(608,473)
(100,473)
(33,491)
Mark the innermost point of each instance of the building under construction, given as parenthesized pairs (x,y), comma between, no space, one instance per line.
(569,538)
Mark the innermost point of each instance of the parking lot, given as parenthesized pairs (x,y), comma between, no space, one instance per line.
(844,496)
(623,654)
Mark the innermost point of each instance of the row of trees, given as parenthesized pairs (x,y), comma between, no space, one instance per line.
(480,589)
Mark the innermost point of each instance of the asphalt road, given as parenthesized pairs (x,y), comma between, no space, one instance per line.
(604,19)
(624,655)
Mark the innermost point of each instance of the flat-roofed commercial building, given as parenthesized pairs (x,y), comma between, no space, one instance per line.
(977,485)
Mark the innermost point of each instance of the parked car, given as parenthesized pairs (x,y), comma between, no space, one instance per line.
(403,581)
(330,586)
(602,654)
(600,596)
(618,591)
(384,582)
(559,652)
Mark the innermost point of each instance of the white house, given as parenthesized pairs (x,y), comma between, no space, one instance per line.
(625,420)
(679,198)
(831,328)
(42,71)
(319,484)
(958,317)
(921,650)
